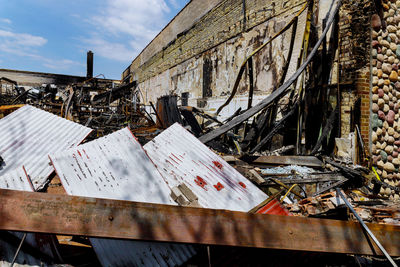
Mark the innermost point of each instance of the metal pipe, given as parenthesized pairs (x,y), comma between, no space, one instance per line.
(89,62)
(18,249)
(366,228)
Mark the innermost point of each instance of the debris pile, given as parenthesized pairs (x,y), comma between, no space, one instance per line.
(100,148)
(101,104)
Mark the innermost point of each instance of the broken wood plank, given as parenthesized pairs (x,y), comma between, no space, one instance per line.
(305,180)
(309,161)
(255,177)
(70,215)
(274,95)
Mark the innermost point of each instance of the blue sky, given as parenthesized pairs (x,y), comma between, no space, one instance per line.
(54,35)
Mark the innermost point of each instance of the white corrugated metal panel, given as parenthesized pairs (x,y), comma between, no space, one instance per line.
(182,158)
(15,180)
(116,167)
(29,134)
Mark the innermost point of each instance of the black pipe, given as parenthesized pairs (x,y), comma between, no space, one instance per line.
(89,62)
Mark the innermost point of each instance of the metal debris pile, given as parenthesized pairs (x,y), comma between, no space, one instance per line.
(104,105)
(174,168)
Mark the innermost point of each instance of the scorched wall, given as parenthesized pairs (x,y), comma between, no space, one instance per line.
(204,59)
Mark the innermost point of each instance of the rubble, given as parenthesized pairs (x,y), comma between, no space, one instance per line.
(117,169)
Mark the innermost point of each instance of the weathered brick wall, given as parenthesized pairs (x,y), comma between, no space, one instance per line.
(363,91)
(348,99)
(222,23)
(203,62)
(354,27)
(355,16)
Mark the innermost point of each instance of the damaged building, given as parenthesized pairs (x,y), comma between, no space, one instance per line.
(246,133)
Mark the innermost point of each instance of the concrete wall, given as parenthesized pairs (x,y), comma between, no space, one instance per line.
(205,59)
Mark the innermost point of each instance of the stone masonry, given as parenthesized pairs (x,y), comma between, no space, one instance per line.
(385,117)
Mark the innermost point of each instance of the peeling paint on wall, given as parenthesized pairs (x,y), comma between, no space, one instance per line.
(208,77)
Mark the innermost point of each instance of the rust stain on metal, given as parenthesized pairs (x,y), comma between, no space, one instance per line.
(219,186)
(218,164)
(200,182)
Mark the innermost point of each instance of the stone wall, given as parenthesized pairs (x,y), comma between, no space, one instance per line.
(385,121)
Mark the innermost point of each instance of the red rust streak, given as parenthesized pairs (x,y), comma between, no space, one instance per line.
(200,182)
(218,164)
(219,186)
(242,184)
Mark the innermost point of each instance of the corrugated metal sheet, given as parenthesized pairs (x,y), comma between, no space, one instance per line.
(275,208)
(116,167)
(16,180)
(29,134)
(182,158)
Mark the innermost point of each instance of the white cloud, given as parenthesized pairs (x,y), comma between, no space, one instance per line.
(174,3)
(76,16)
(21,39)
(20,44)
(24,45)
(62,64)
(5,20)
(131,24)
(137,18)
(110,50)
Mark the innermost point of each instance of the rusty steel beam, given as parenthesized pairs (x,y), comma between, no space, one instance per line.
(68,215)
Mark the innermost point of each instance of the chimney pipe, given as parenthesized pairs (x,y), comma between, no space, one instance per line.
(89,73)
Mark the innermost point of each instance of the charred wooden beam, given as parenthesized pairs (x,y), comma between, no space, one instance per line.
(277,127)
(69,215)
(306,180)
(327,129)
(114,93)
(251,82)
(286,160)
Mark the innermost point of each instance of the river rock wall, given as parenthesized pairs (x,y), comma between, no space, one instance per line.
(385,104)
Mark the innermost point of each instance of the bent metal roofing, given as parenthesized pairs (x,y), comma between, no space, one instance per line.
(182,158)
(28,135)
(117,167)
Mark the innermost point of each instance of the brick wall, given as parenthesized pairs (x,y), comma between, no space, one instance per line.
(222,23)
(355,46)
(363,91)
